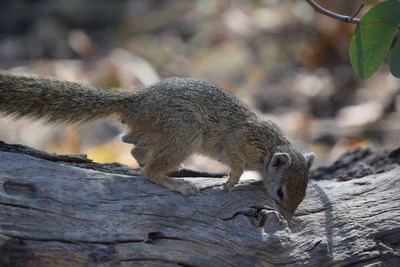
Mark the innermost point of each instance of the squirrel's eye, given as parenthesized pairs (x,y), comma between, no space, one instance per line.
(280,193)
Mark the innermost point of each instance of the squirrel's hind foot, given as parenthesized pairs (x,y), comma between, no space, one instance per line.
(187,189)
(184,187)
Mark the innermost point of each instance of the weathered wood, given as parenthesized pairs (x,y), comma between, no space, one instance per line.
(56,214)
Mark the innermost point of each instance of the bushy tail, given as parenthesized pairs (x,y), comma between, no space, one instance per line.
(56,101)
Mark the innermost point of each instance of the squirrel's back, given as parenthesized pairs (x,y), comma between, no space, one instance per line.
(203,100)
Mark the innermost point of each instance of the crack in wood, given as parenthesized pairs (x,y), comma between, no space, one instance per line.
(20,189)
(255,215)
(316,244)
(43,155)
(363,260)
(158,235)
(75,242)
(187,173)
(310,212)
(154,260)
(36,209)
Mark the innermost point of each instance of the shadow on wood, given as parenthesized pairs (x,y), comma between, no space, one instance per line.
(68,211)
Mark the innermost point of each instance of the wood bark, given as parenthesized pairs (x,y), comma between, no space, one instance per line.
(68,211)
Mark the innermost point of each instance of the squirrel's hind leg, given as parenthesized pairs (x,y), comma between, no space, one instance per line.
(158,176)
(139,153)
(162,160)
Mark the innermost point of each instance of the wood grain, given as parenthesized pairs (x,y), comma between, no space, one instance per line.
(56,214)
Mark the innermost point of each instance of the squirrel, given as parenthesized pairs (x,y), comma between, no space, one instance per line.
(167,122)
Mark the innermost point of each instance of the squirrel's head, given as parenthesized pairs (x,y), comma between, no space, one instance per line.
(286,178)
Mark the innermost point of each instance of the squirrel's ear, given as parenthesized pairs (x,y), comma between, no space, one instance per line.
(310,159)
(280,160)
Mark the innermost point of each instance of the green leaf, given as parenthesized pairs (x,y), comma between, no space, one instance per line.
(395,60)
(372,2)
(373,37)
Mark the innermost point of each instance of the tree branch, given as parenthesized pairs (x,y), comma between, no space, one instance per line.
(331,14)
(89,214)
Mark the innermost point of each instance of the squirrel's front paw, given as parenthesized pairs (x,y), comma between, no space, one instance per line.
(228,187)
(187,189)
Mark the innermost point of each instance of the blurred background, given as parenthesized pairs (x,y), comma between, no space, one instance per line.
(285,61)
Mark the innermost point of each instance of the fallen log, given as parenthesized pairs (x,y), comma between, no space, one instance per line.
(68,211)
